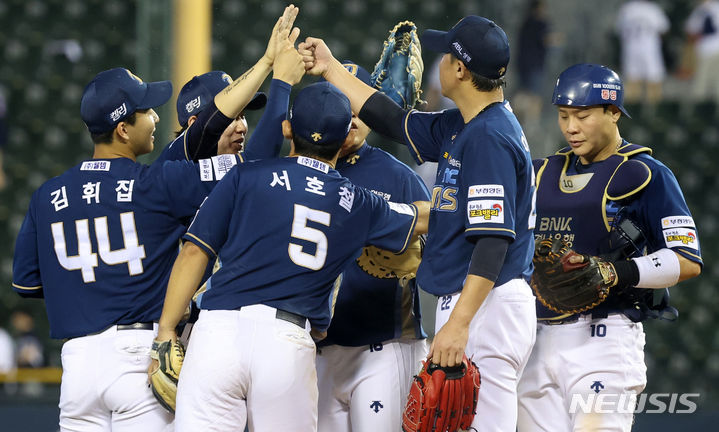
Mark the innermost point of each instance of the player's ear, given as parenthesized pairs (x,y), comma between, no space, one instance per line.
(122,132)
(287,129)
(461,70)
(191,120)
(614,113)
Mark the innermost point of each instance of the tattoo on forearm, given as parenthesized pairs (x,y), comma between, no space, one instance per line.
(236,82)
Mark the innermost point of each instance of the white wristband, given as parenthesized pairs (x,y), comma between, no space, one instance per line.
(658,270)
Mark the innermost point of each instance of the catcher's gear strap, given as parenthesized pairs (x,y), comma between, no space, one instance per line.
(488,257)
(384,116)
(658,270)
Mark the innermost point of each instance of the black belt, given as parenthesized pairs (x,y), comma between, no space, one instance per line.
(295,319)
(136,326)
(568,320)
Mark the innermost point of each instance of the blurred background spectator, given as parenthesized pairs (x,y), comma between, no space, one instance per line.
(7,352)
(640,25)
(3,138)
(702,28)
(531,48)
(28,347)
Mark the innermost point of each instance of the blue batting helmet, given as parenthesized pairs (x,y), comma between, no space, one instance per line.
(585,84)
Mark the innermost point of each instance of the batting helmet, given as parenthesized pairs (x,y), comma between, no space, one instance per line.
(587,84)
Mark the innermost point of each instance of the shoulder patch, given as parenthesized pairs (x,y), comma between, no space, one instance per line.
(222,164)
(486,211)
(95,166)
(487,190)
(401,208)
(676,237)
(677,222)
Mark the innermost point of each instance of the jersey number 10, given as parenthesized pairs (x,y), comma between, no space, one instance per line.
(86,260)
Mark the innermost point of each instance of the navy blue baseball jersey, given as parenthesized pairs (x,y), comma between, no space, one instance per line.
(579,203)
(200,139)
(484,187)
(98,242)
(370,309)
(284,230)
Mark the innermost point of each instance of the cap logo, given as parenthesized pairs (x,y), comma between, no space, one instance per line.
(316,136)
(193,104)
(118,113)
(352,68)
(460,50)
(502,70)
(133,76)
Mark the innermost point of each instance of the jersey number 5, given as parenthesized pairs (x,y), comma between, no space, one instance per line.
(301,231)
(86,260)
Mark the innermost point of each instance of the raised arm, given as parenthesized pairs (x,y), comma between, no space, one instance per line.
(380,113)
(233,99)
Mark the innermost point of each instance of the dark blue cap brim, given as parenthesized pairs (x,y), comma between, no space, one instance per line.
(158,93)
(259,100)
(435,40)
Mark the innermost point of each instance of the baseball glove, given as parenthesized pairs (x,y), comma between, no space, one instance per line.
(385,264)
(442,399)
(567,287)
(398,73)
(163,380)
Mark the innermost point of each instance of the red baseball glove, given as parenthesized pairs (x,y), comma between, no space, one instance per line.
(442,399)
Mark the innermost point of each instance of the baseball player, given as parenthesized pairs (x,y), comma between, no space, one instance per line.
(284,229)
(640,25)
(215,105)
(375,342)
(477,258)
(97,244)
(606,197)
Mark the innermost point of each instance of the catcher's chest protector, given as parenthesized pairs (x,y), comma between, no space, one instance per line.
(573,204)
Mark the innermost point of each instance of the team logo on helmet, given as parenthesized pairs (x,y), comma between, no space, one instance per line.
(316,136)
(609,94)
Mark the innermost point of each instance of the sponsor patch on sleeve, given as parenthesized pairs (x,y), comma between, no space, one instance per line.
(95,166)
(678,222)
(485,211)
(205,169)
(223,164)
(685,237)
(488,190)
(401,208)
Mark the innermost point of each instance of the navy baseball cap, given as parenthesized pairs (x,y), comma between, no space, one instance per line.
(321,114)
(201,90)
(355,70)
(115,94)
(480,43)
